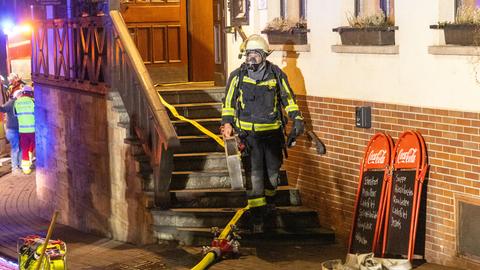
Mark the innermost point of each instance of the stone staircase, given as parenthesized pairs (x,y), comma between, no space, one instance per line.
(200,187)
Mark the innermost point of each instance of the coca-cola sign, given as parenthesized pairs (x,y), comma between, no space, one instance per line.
(408,156)
(377,157)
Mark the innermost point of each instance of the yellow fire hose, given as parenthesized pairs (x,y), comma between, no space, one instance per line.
(215,252)
(193,122)
(212,255)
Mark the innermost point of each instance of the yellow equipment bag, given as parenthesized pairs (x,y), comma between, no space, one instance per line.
(30,248)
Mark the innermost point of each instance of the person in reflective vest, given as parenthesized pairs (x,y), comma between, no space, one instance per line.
(11,132)
(25,111)
(256,95)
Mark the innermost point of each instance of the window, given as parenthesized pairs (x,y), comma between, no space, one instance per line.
(293,9)
(467,3)
(365,7)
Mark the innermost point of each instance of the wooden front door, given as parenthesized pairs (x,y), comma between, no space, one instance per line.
(206,33)
(159,29)
(200,34)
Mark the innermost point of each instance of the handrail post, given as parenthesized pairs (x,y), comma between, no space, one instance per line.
(162,177)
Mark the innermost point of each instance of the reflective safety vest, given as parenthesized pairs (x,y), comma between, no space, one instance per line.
(24,109)
(254,105)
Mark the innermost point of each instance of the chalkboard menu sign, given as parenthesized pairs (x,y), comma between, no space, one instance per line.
(400,212)
(365,224)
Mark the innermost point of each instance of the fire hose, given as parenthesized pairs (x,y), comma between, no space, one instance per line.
(193,122)
(226,242)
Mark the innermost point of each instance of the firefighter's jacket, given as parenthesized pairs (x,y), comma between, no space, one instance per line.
(253,105)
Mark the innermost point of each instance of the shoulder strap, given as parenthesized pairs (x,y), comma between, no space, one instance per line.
(241,74)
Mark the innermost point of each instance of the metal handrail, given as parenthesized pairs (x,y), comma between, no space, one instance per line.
(146,84)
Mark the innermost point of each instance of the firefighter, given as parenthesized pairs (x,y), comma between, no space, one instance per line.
(25,109)
(256,95)
(15,83)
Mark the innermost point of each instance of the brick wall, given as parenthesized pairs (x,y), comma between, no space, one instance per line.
(328,183)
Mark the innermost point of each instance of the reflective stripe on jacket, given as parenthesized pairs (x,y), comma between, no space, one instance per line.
(254,105)
(25,111)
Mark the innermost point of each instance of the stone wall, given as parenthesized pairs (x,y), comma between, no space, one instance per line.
(84,168)
(328,183)
(72,157)
(130,220)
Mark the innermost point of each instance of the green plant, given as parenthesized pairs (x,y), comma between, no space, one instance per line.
(377,19)
(285,25)
(467,15)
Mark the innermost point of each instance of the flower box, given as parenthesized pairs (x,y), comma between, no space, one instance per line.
(462,34)
(292,37)
(367,36)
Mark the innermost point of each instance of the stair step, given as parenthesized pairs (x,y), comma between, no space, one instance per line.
(200,179)
(177,96)
(199,161)
(6,161)
(184,128)
(204,237)
(283,217)
(199,110)
(227,198)
(142,158)
(132,141)
(209,179)
(198,144)
(123,124)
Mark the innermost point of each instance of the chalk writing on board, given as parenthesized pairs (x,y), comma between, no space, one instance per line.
(360,239)
(370,181)
(400,203)
(367,211)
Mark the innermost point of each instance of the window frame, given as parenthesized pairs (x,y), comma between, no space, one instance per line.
(384,6)
(302,9)
(458,3)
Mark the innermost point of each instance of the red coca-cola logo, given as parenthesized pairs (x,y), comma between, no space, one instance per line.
(407,156)
(376,157)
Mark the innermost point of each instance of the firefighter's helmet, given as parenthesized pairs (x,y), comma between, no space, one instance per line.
(13,77)
(27,88)
(257,42)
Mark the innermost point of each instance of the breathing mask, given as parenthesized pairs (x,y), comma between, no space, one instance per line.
(254,59)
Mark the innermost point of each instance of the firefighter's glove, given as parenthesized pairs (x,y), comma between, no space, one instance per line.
(297,130)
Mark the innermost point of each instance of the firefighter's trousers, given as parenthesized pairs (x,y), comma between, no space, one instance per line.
(262,166)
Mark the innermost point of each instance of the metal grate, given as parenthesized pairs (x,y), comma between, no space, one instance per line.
(468,233)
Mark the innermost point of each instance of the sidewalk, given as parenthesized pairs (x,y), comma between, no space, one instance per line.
(18,218)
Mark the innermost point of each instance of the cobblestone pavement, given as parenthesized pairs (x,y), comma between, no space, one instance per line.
(18,218)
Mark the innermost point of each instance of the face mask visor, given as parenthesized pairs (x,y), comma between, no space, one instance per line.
(254,60)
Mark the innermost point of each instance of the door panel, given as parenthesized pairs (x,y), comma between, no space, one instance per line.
(159,50)
(143,43)
(174,54)
(160,32)
(200,33)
